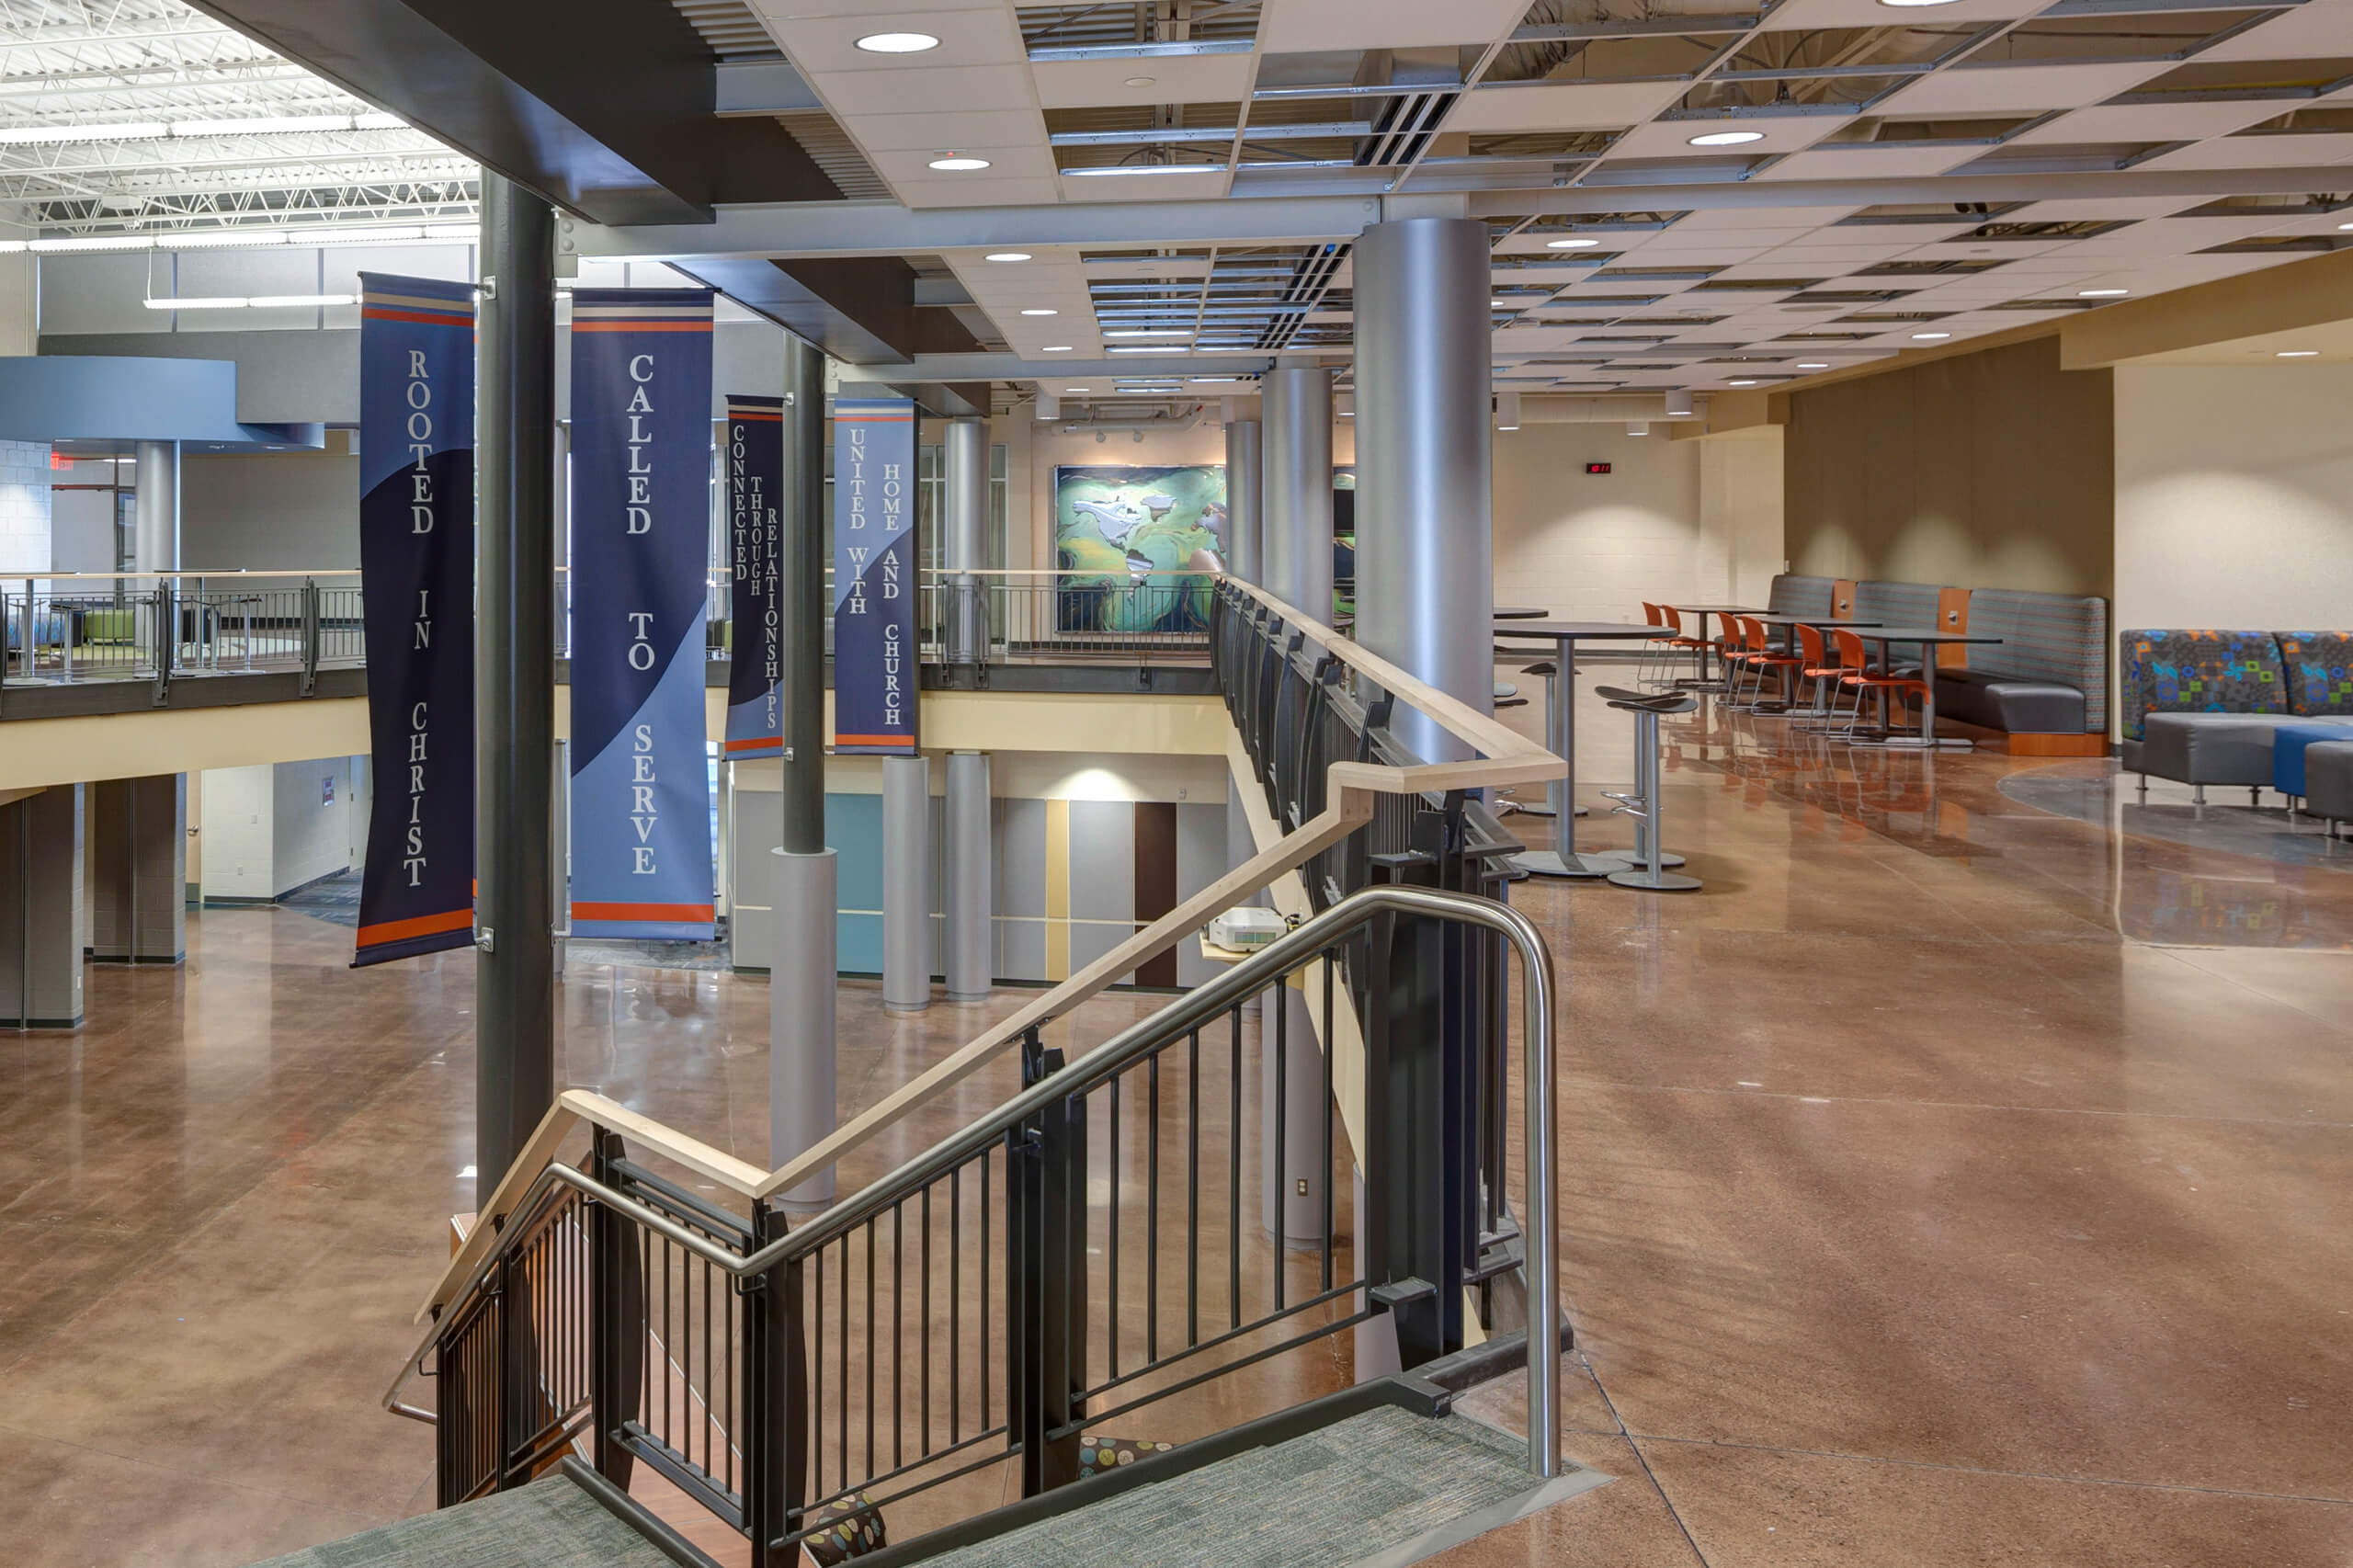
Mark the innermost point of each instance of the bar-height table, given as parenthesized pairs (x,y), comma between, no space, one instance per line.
(1709,680)
(1560,736)
(1930,639)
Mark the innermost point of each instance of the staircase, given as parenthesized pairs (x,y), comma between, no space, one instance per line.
(1060,1334)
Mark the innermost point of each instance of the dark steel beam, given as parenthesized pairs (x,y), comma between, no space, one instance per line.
(606,108)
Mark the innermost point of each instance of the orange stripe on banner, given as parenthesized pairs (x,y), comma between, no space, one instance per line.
(423,926)
(644,911)
(640,326)
(873,740)
(755,742)
(376,313)
(757,418)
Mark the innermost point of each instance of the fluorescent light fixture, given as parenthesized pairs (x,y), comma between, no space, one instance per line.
(1144,349)
(1727,138)
(1742,382)
(1074,389)
(1929,337)
(258,301)
(2297,354)
(1106,169)
(1813,364)
(1213,381)
(1006,255)
(1347,414)
(2101,293)
(1914,5)
(378,122)
(1041,311)
(1148,331)
(958,163)
(274,125)
(1055,348)
(132,130)
(897,43)
(89,243)
(1570,245)
(222,239)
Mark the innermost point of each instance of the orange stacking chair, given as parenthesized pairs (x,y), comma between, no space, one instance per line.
(1859,675)
(1762,659)
(1673,621)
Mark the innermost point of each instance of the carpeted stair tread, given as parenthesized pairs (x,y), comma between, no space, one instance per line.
(550,1524)
(1335,1496)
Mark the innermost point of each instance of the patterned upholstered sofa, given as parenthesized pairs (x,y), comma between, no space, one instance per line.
(2047,676)
(2201,707)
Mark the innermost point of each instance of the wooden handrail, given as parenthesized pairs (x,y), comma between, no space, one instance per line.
(1350,792)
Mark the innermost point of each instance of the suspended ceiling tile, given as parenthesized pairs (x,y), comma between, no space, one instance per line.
(2098,209)
(776,12)
(1778,134)
(2106,123)
(901,165)
(974,191)
(969,132)
(1878,160)
(2319,29)
(2000,89)
(937,90)
(1102,83)
(1759,222)
(1207,187)
(1296,26)
(2287,151)
(1561,105)
(1982,250)
(967,37)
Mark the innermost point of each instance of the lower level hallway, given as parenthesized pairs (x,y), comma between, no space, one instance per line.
(1957,1179)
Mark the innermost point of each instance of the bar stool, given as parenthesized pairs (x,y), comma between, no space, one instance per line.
(1550,671)
(1649,871)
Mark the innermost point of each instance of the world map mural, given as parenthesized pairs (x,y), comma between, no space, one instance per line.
(1138,545)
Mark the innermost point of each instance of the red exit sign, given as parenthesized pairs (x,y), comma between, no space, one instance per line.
(1596,468)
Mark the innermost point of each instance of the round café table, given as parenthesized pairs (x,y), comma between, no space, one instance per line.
(1560,737)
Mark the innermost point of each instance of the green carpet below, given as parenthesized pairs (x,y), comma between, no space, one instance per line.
(550,1524)
(1364,1488)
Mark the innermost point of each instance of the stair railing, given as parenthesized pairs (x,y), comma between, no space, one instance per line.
(786,1378)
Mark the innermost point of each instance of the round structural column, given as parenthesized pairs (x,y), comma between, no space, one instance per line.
(156,531)
(804,873)
(1426,581)
(970,962)
(1245,478)
(906,883)
(963,540)
(1295,548)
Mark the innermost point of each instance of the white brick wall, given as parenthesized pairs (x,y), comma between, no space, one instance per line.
(24,507)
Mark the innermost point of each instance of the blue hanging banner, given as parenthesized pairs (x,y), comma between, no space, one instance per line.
(416,554)
(640,541)
(874,575)
(754,461)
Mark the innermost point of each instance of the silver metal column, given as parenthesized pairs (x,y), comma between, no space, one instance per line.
(515,1066)
(906,883)
(971,959)
(155,532)
(1426,590)
(963,540)
(804,873)
(1295,537)
(1246,479)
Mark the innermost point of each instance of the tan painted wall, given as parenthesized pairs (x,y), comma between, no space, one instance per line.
(1993,470)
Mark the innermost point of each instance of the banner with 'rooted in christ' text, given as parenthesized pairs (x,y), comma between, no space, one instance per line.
(640,533)
(416,554)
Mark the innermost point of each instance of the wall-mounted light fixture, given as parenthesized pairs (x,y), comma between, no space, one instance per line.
(1507,411)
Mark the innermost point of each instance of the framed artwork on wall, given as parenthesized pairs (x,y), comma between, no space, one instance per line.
(1136,545)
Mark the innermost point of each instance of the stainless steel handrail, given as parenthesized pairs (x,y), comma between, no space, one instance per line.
(1199,1005)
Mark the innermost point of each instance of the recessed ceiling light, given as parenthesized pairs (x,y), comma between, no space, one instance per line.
(1744,382)
(2101,293)
(1138,81)
(1078,389)
(1588,245)
(1006,255)
(1145,348)
(1813,364)
(1055,348)
(1040,312)
(958,163)
(1347,414)
(1727,138)
(897,43)
(1212,380)
(2298,353)
(1102,171)
(1914,5)
(1929,337)
(2345,226)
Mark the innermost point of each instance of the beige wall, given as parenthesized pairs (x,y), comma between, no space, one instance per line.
(1992,469)
(2233,497)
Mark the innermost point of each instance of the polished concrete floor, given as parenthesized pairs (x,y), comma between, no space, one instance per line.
(1950,1182)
